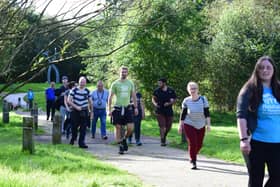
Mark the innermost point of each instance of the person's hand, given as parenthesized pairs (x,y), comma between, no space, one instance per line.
(135,111)
(91,115)
(208,128)
(143,115)
(166,104)
(180,127)
(245,146)
(78,108)
(110,113)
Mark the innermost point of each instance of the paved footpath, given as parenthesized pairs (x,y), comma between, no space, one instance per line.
(161,166)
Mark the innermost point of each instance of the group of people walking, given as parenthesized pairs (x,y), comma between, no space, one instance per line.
(127,111)
(258,116)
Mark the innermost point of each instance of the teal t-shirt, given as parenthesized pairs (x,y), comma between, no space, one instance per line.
(268,129)
(122,90)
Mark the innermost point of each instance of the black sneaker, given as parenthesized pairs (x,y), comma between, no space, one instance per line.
(71,142)
(121,149)
(105,137)
(83,146)
(93,136)
(138,143)
(163,144)
(125,147)
(193,165)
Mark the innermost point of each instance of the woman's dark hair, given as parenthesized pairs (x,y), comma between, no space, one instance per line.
(254,84)
(71,84)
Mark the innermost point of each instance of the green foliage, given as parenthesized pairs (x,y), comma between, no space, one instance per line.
(241,33)
(165,44)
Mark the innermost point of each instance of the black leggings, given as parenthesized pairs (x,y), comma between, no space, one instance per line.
(261,154)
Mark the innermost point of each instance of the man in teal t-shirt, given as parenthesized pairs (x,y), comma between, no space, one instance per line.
(122,113)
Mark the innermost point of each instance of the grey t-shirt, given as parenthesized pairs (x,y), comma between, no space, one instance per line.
(195,115)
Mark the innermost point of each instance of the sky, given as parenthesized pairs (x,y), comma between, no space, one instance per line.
(64,6)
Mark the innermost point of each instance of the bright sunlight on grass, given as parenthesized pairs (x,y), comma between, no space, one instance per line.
(60,165)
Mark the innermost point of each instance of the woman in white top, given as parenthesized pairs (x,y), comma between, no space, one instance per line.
(194,117)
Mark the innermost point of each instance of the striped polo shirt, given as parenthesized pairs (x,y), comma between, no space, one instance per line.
(195,115)
(80,97)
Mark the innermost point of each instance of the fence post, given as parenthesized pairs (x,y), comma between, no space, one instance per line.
(27,135)
(35,116)
(6,109)
(56,131)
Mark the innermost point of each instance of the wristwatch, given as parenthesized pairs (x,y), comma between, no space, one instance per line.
(242,139)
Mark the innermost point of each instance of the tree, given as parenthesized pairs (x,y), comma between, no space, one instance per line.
(21,28)
(241,33)
(165,43)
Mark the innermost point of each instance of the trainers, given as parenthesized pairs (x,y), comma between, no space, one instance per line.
(163,142)
(125,147)
(129,140)
(71,142)
(138,143)
(121,149)
(193,165)
(93,136)
(105,137)
(83,146)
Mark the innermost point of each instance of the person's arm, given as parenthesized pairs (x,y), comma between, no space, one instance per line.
(172,100)
(46,95)
(245,146)
(66,102)
(154,101)
(110,98)
(142,108)
(242,113)
(134,99)
(208,123)
(90,107)
(182,118)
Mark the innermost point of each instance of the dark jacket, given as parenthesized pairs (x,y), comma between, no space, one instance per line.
(242,110)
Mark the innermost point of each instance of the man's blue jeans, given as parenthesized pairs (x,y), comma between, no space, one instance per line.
(99,113)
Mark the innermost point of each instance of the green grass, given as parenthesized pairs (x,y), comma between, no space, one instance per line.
(60,165)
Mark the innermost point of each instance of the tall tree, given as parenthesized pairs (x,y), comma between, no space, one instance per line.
(239,33)
(165,43)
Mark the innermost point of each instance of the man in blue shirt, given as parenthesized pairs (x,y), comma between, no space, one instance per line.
(50,100)
(99,99)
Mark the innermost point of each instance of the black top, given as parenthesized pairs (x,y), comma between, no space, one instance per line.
(162,97)
(60,92)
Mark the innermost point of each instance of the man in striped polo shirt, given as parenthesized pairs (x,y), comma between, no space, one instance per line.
(79,99)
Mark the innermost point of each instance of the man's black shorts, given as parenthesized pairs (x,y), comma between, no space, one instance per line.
(122,115)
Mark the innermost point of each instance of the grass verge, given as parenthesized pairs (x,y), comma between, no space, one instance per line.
(60,165)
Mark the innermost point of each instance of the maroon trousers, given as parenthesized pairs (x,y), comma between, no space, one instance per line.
(195,140)
(165,124)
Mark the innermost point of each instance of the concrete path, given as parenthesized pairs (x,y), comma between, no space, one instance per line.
(161,166)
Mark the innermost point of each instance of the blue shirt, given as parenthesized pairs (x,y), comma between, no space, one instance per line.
(268,128)
(99,99)
(50,95)
(30,95)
